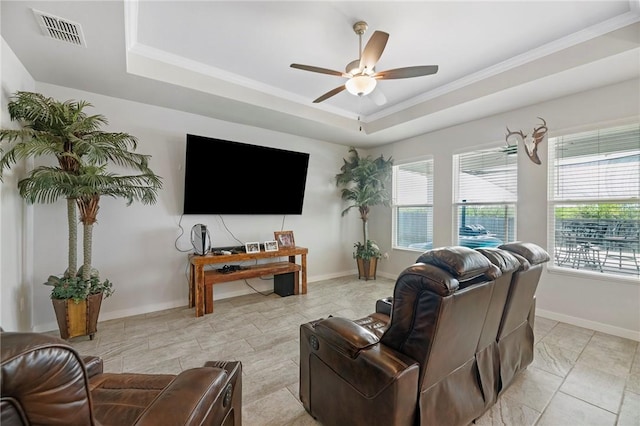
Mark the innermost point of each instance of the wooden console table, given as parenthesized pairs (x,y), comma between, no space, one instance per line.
(200,281)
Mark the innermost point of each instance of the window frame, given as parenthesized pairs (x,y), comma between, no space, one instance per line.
(459,203)
(428,160)
(554,202)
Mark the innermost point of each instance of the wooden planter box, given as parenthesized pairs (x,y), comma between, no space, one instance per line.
(367,268)
(78,319)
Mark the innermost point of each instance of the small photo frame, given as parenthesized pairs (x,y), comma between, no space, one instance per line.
(270,246)
(252,247)
(284,238)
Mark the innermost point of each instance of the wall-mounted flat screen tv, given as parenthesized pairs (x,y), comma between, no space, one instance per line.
(227,177)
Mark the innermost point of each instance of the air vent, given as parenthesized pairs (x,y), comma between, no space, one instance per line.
(60,29)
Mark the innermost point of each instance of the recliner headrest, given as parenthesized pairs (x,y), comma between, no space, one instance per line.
(461,262)
(503,259)
(530,251)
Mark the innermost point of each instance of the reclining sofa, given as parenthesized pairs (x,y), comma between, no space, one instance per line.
(45,381)
(451,339)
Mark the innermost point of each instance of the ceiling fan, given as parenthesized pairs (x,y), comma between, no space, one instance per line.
(362,77)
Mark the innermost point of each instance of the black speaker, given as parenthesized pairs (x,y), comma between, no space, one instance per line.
(283,284)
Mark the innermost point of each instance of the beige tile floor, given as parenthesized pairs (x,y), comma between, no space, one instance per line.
(578,377)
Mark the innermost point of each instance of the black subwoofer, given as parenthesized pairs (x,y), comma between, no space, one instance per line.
(283,284)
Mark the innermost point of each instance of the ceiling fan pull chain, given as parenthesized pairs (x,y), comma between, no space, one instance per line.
(359,109)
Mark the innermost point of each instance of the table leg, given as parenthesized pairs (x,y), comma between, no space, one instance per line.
(208,299)
(199,290)
(191,285)
(304,273)
(296,280)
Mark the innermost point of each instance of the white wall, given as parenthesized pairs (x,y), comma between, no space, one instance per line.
(15,215)
(589,300)
(134,246)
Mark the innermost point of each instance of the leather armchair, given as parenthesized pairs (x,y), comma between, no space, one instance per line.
(45,381)
(417,366)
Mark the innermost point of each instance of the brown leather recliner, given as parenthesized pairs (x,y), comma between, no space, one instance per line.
(45,381)
(515,335)
(420,367)
(487,353)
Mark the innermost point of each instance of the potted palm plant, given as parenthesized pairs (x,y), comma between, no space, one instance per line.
(83,152)
(362,181)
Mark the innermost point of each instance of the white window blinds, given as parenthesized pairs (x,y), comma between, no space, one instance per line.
(594,193)
(487,176)
(413,183)
(413,205)
(598,165)
(485,194)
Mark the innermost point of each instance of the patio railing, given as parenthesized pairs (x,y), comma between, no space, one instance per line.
(604,245)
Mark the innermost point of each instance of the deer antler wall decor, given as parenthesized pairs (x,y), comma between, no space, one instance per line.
(530,142)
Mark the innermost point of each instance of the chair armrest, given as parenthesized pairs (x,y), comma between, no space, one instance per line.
(345,335)
(46,375)
(190,398)
(234,416)
(383,306)
(355,354)
(93,365)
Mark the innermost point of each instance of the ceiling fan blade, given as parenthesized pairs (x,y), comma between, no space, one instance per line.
(373,50)
(377,97)
(407,72)
(329,94)
(318,69)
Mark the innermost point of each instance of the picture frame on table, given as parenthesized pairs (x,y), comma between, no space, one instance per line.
(253,247)
(271,246)
(284,238)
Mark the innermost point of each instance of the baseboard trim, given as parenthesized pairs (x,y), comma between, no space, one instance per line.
(593,325)
(241,290)
(316,278)
(122,313)
(387,275)
(353,272)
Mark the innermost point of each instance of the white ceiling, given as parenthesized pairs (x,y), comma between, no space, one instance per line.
(230,59)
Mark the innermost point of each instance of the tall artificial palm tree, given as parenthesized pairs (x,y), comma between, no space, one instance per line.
(95,182)
(83,151)
(49,128)
(362,180)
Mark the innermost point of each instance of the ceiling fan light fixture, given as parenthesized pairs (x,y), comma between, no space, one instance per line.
(361,85)
(361,74)
(353,67)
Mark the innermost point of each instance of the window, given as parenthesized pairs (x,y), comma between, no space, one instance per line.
(413,205)
(594,193)
(485,196)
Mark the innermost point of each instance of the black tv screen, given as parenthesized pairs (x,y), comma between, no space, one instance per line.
(226,177)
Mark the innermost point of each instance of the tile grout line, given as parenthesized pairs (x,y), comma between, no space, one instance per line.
(563,378)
